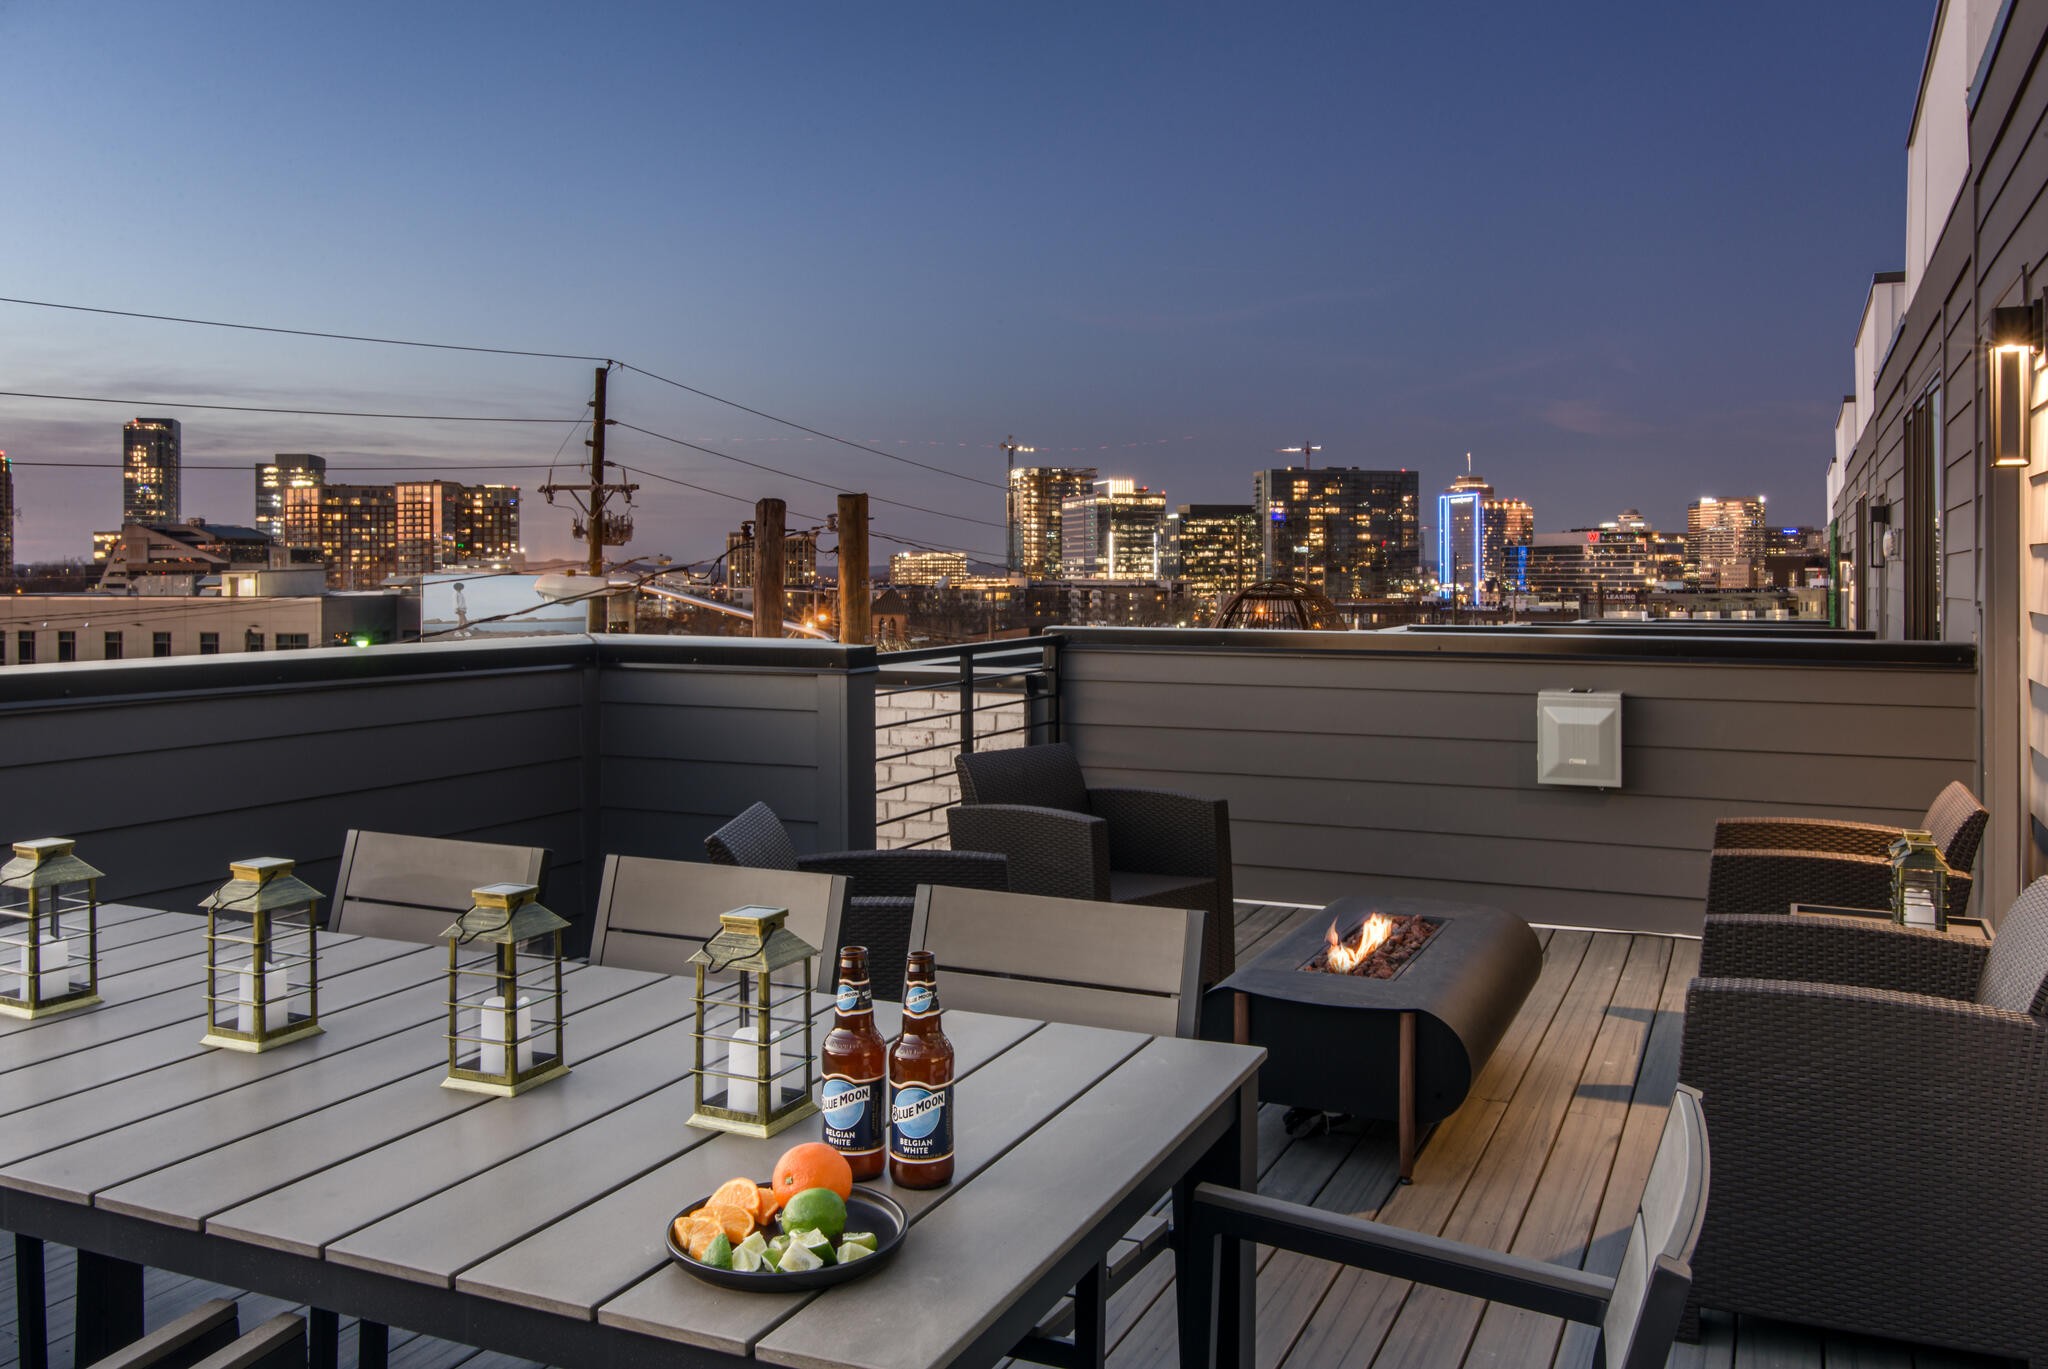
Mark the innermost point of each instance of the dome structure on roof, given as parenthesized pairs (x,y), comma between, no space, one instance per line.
(1279,605)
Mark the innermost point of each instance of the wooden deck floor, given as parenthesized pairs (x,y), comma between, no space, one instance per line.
(1547,1159)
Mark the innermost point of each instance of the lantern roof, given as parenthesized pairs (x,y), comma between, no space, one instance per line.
(1917,848)
(259,885)
(45,863)
(505,914)
(753,940)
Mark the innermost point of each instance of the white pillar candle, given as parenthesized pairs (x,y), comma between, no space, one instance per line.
(744,1058)
(277,1003)
(491,1056)
(1919,908)
(54,963)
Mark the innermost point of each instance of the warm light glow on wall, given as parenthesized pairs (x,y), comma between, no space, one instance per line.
(2015,334)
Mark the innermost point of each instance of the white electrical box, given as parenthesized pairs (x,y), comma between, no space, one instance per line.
(1578,737)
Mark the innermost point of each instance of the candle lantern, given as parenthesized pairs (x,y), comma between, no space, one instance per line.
(1919,881)
(262,957)
(753,1009)
(505,993)
(49,930)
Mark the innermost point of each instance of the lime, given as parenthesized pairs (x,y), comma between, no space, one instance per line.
(850,1252)
(779,1244)
(798,1258)
(866,1238)
(815,1209)
(719,1253)
(746,1261)
(753,1245)
(819,1243)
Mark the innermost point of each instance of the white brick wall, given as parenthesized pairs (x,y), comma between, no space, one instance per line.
(894,733)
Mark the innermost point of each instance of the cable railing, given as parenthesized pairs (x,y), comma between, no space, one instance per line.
(995,694)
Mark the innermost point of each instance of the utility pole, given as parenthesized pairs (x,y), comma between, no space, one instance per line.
(599,528)
(768,554)
(856,601)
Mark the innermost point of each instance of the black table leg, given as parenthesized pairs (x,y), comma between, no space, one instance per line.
(31,1307)
(109,1311)
(1091,1318)
(373,1345)
(1213,1283)
(323,1339)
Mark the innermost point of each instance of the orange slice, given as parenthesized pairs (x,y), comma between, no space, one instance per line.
(695,1234)
(743,1194)
(736,1222)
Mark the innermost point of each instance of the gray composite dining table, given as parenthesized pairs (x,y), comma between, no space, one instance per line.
(336,1172)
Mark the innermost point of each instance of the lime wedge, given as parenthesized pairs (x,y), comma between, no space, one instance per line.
(746,1261)
(798,1258)
(719,1253)
(753,1244)
(866,1238)
(817,1242)
(849,1252)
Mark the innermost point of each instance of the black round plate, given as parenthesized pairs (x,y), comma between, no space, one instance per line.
(867,1210)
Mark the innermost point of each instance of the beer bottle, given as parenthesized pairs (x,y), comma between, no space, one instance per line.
(921,1084)
(852,1063)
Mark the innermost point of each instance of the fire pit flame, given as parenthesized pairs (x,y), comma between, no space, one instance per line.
(1344,957)
(1379,948)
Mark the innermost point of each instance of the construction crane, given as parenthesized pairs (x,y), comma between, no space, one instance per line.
(1307,451)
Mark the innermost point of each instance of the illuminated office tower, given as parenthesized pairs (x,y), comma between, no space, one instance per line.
(1725,537)
(1112,532)
(1032,508)
(446,523)
(799,560)
(287,470)
(1213,547)
(353,527)
(150,456)
(1349,532)
(927,567)
(1482,542)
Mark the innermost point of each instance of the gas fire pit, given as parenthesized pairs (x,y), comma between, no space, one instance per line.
(1413,994)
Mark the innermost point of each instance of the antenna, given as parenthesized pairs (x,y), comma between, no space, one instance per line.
(1468,463)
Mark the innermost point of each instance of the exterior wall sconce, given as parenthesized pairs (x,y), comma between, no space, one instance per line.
(2015,340)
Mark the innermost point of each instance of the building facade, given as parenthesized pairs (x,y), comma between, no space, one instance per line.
(1214,547)
(287,470)
(151,457)
(1032,516)
(1112,532)
(799,560)
(1482,542)
(1344,531)
(353,529)
(54,628)
(446,523)
(927,567)
(1606,565)
(1724,538)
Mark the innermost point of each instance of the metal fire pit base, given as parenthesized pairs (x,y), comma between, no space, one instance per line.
(1404,1049)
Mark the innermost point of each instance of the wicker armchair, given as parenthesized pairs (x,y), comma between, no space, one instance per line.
(1764,865)
(1880,1111)
(1063,839)
(881,886)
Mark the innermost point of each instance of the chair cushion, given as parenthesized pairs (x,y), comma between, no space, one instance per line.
(2016,970)
(1134,886)
(1033,776)
(754,839)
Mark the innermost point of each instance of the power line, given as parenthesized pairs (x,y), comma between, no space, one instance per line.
(248,466)
(798,513)
(260,409)
(300,332)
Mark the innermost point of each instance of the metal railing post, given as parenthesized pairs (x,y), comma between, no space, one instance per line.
(966,699)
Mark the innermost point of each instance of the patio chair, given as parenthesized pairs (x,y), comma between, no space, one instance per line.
(206,1338)
(1124,967)
(1765,865)
(408,888)
(881,885)
(1880,1102)
(1063,839)
(1637,1311)
(652,914)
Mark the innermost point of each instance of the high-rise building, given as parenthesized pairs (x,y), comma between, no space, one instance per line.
(353,527)
(1726,538)
(150,457)
(1112,531)
(446,523)
(799,560)
(1032,512)
(1214,547)
(287,470)
(927,567)
(6,518)
(1613,562)
(1482,541)
(1345,531)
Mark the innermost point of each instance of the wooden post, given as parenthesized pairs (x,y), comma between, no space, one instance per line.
(1405,1127)
(768,554)
(599,607)
(856,599)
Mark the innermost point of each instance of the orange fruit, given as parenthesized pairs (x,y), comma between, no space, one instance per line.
(812,1165)
(743,1194)
(736,1222)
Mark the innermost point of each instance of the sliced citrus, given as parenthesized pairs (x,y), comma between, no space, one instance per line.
(743,1194)
(736,1222)
(695,1235)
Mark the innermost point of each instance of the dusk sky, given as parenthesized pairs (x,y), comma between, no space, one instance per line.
(1616,251)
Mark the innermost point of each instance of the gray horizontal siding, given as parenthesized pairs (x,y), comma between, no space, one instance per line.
(1405,774)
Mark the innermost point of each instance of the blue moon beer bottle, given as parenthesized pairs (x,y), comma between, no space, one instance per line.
(852,1063)
(921,1084)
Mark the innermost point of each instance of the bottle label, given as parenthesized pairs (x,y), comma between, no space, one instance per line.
(853,1117)
(920,1000)
(920,1122)
(855,998)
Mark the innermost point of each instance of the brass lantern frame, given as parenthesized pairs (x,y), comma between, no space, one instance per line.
(38,877)
(1918,862)
(282,915)
(754,946)
(506,918)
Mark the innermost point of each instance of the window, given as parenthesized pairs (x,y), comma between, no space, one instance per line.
(67,645)
(252,640)
(209,644)
(293,641)
(160,644)
(25,648)
(113,647)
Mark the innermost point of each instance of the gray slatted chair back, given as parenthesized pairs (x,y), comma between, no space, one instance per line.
(408,888)
(651,914)
(2016,970)
(1124,966)
(755,838)
(1046,776)
(1957,821)
(1656,1269)
(181,1343)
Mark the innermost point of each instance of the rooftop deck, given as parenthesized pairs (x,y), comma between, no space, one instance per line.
(1546,1159)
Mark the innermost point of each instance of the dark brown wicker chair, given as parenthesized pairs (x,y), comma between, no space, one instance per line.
(1064,839)
(881,886)
(1880,1109)
(1765,865)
